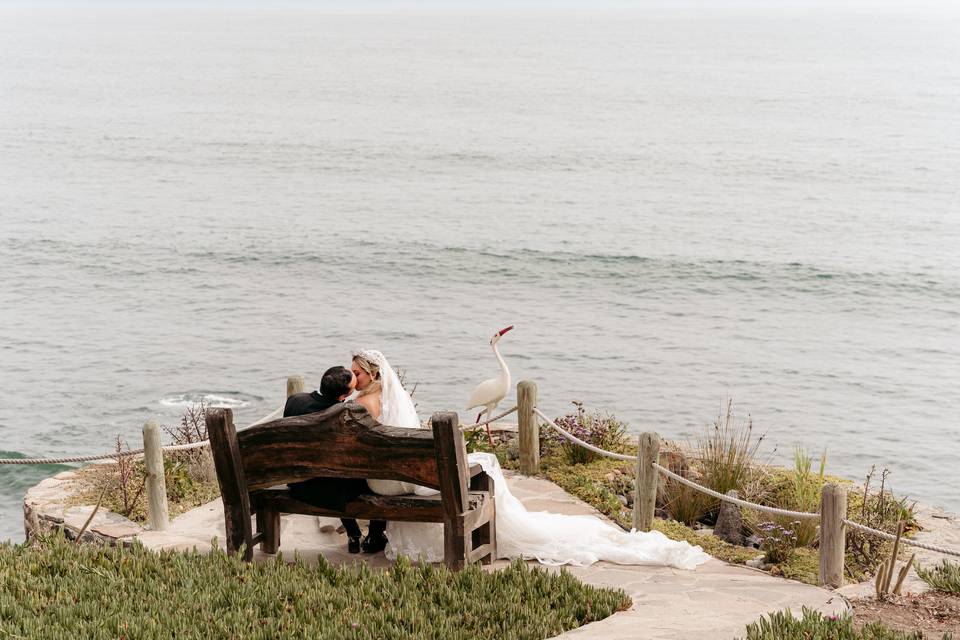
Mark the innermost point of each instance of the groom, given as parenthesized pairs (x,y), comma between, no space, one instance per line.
(336,385)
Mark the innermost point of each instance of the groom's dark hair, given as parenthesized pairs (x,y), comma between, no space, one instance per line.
(335,382)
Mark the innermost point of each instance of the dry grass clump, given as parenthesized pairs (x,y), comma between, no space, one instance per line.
(726,454)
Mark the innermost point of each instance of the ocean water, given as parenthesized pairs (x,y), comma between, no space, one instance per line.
(674,202)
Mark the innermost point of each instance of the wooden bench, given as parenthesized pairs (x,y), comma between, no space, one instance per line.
(346,442)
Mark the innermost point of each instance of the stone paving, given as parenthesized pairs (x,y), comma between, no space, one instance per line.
(715,601)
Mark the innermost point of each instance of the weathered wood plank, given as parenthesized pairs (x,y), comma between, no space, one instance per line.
(156,477)
(230,476)
(528,426)
(833,534)
(451,460)
(268,526)
(344,442)
(645,498)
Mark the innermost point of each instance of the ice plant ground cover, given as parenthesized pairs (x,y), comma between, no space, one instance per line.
(815,626)
(54,589)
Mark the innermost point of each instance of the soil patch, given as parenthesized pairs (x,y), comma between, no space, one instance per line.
(934,612)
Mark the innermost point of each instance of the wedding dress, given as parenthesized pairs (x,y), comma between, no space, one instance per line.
(550,538)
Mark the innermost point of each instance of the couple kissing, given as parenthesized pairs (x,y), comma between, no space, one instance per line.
(378,389)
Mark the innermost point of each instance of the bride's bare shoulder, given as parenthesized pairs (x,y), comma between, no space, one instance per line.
(371,402)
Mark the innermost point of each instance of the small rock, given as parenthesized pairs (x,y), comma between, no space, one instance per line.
(729,525)
(756,563)
(623,501)
(704,532)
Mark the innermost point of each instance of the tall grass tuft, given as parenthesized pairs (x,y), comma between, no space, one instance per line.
(726,453)
(804,494)
(677,500)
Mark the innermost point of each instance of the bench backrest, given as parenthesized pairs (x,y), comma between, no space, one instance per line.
(343,441)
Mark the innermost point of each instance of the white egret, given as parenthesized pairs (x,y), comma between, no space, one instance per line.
(489,393)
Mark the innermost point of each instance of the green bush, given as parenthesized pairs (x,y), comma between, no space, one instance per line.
(61,590)
(942,577)
(599,429)
(815,626)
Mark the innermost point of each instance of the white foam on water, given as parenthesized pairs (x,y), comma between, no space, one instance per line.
(225,399)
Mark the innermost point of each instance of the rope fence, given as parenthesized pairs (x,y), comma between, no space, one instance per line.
(775,511)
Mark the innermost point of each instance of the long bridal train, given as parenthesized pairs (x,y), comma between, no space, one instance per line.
(549,538)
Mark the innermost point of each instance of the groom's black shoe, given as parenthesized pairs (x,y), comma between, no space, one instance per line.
(353,544)
(374,543)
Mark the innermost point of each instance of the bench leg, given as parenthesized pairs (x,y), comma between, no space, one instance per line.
(488,535)
(454,544)
(268,523)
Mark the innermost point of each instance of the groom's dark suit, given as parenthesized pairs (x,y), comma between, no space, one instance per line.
(328,493)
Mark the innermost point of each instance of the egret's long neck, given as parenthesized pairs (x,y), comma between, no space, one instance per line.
(504,372)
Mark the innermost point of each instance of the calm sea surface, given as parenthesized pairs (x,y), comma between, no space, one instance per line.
(674,203)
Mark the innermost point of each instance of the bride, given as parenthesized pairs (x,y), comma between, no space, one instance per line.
(551,538)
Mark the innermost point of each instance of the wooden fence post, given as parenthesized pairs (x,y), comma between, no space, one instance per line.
(156,481)
(645,498)
(528,427)
(833,535)
(295,384)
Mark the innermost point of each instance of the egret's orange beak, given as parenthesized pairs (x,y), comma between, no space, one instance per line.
(503,331)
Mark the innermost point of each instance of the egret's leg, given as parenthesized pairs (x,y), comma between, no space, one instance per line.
(489,412)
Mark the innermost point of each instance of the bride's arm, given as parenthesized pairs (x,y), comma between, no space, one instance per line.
(372,404)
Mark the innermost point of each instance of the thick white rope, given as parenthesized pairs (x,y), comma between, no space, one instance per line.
(132,452)
(889,536)
(486,422)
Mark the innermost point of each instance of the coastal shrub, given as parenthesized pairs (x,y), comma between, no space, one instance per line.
(726,453)
(777,541)
(60,590)
(599,429)
(942,577)
(802,492)
(880,510)
(782,625)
